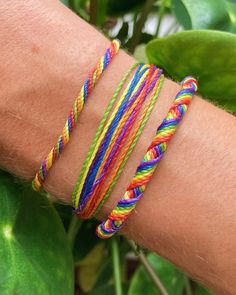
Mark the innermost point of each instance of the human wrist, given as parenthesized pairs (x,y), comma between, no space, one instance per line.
(59,76)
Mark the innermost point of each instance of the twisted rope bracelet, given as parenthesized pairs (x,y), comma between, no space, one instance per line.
(149,162)
(72,119)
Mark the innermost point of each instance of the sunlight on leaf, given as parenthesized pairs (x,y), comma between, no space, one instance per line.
(201,14)
(34,253)
(210,56)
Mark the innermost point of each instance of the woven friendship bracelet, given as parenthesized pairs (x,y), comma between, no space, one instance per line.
(149,162)
(103,162)
(72,119)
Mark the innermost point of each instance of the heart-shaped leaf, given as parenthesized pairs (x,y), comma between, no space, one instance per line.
(34,253)
(208,55)
(201,14)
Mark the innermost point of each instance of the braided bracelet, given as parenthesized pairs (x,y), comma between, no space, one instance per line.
(149,162)
(72,119)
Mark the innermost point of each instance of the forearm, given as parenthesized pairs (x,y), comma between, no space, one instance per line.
(187,213)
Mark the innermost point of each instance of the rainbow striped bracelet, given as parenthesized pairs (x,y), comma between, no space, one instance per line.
(72,119)
(146,168)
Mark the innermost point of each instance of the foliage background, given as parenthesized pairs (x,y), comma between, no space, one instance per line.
(44,249)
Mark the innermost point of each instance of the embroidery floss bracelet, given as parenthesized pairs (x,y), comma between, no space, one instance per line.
(112,157)
(149,162)
(106,133)
(102,129)
(106,170)
(125,123)
(132,142)
(72,119)
(101,162)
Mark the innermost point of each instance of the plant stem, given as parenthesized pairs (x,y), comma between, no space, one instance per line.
(160,17)
(139,25)
(188,286)
(116,266)
(93,11)
(152,274)
(73,229)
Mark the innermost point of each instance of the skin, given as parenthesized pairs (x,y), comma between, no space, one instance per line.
(188,211)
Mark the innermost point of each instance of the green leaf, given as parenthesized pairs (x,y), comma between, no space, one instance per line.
(34,253)
(140,53)
(79,7)
(104,282)
(105,275)
(210,56)
(232,29)
(90,266)
(65,2)
(65,213)
(201,14)
(170,276)
(199,290)
(85,240)
(121,7)
(106,289)
(102,12)
(231,8)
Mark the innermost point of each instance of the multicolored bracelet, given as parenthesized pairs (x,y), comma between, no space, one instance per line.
(115,139)
(103,155)
(72,119)
(149,162)
(131,144)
